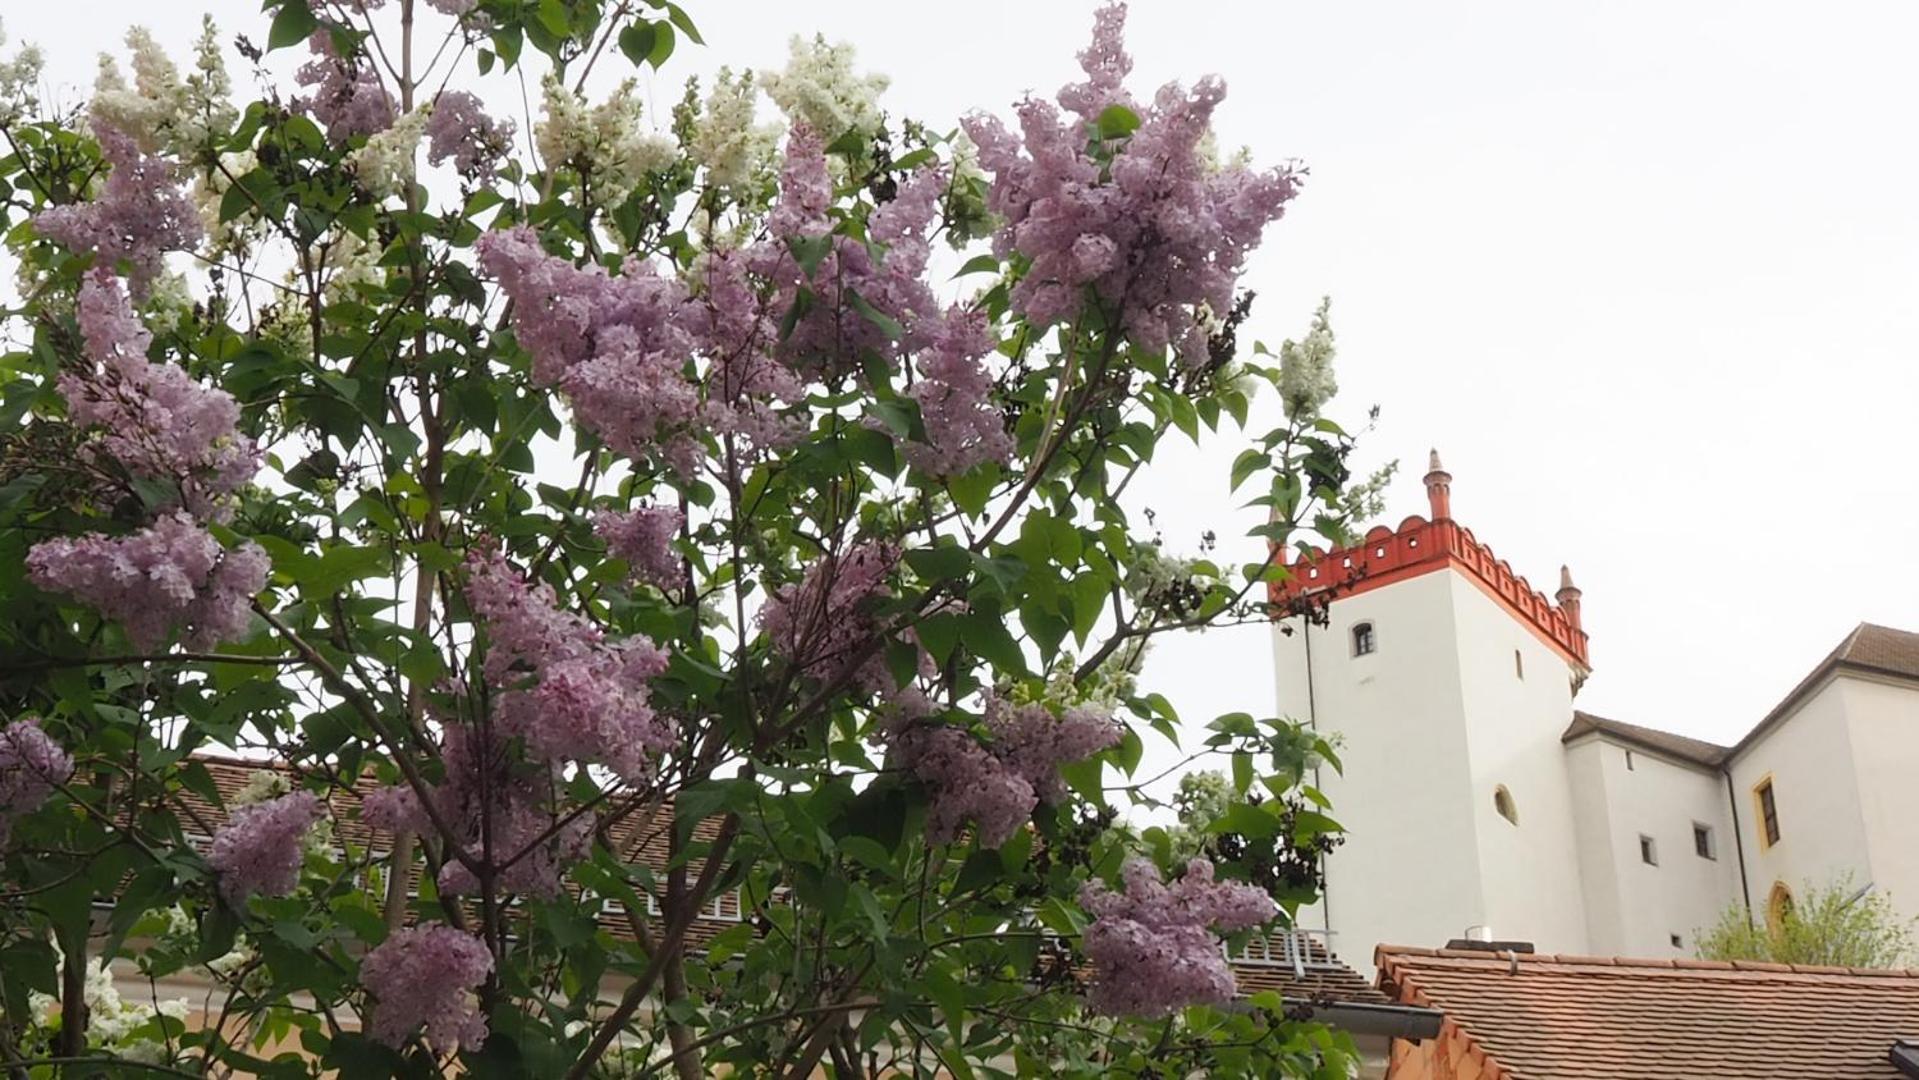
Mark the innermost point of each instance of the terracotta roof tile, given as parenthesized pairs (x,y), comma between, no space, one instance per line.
(1550,1017)
(1697,751)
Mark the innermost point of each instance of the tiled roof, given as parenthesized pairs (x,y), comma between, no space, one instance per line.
(1871,649)
(1697,751)
(1539,1017)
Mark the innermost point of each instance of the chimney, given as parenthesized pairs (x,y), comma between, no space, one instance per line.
(1439,489)
(1568,597)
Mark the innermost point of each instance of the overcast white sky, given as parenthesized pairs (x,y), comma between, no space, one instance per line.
(1644,272)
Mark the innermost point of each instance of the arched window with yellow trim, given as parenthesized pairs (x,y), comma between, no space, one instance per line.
(1778,907)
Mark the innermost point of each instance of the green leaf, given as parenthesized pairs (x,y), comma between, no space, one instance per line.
(886,323)
(1242,772)
(1117,121)
(637,41)
(809,250)
(1248,821)
(338,566)
(979,264)
(292,24)
(1247,463)
(986,635)
(939,563)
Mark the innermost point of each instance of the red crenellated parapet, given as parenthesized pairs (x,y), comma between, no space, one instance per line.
(1419,546)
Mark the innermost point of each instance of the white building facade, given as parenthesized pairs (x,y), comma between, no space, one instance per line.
(1479,802)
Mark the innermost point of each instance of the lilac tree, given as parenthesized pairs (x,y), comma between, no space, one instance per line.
(586,518)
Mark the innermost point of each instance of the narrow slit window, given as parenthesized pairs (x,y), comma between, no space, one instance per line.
(1629,767)
(1519,664)
(1363,640)
(1677,941)
(1648,850)
(1768,812)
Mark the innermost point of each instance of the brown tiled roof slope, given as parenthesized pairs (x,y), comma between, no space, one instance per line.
(1697,751)
(1541,1017)
(1324,977)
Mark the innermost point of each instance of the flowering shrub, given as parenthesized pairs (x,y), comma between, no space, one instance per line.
(677,624)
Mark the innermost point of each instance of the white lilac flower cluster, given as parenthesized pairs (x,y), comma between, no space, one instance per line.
(386,165)
(1306,379)
(736,151)
(820,90)
(163,112)
(115,1026)
(605,143)
(20,81)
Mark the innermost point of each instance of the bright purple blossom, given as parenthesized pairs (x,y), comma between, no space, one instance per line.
(570,693)
(644,538)
(140,215)
(153,418)
(260,848)
(460,129)
(426,977)
(997,784)
(963,428)
(170,575)
(1144,223)
(347,97)
(1153,948)
(31,766)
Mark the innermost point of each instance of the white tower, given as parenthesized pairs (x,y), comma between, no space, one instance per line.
(1448,681)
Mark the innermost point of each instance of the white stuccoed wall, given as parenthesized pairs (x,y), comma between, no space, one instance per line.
(1883,728)
(1633,909)
(1530,871)
(1822,826)
(1408,872)
(1431,722)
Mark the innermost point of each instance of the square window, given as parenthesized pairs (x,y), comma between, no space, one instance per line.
(1648,851)
(1677,941)
(1702,841)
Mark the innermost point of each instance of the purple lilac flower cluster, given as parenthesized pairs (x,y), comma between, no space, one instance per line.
(460,130)
(644,538)
(426,977)
(171,574)
(259,849)
(497,806)
(139,216)
(153,418)
(347,97)
(1153,947)
(963,428)
(31,766)
(587,701)
(997,784)
(1142,221)
(821,624)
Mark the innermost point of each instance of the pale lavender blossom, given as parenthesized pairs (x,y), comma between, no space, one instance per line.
(501,810)
(260,848)
(565,689)
(459,129)
(455,8)
(1153,947)
(153,418)
(644,538)
(140,215)
(997,784)
(963,428)
(745,385)
(171,575)
(824,625)
(347,98)
(616,346)
(31,766)
(425,977)
(1143,223)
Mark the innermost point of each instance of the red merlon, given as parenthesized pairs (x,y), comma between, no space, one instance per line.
(1420,546)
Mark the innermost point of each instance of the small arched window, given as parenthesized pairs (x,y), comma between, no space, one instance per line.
(1503,802)
(1363,640)
(1778,907)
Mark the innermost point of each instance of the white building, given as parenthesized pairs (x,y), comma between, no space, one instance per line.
(1479,802)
